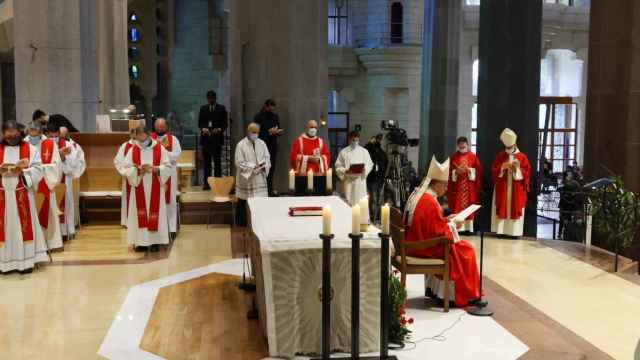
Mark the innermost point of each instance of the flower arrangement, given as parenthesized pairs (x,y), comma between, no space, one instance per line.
(398,330)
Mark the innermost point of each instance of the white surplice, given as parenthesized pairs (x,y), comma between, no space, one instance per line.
(14,253)
(507,226)
(249,182)
(135,235)
(52,174)
(119,162)
(172,209)
(354,187)
(73,167)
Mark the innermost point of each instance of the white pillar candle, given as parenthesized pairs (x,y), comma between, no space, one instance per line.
(326,220)
(292,180)
(329,179)
(364,210)
(310,180)
(385,212)
(355,219)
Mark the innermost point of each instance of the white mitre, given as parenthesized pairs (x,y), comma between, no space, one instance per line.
(437,171)
(508,137)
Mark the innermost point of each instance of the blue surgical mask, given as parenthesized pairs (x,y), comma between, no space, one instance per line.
(34,140)
(55,139)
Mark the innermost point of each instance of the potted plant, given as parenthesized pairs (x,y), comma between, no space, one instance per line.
(398,330)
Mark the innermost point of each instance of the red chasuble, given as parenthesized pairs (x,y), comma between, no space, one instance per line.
(428,222)
(302,148)
(519,188)
(464,192)
(46,153)
(149,222)
(22,200)
(169,147)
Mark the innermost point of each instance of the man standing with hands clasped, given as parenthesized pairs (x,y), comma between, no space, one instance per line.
(213,122)
(270,131)
(252,166)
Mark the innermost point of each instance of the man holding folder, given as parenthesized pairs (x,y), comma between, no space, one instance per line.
(352,167)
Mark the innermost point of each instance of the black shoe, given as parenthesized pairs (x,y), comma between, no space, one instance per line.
(440,303)
(478,303)
(430,294)
(27,271)
(173,236)
(140,248)
(155,248)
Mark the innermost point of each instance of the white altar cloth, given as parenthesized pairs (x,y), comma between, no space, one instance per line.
(292,275)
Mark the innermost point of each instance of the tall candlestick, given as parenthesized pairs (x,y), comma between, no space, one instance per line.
(384,215)
(326,220)
(292,180)
(355,219)
(364,213)
(310,180)
(329,179)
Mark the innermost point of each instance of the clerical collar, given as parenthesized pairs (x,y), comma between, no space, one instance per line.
(432,193)
(512,151)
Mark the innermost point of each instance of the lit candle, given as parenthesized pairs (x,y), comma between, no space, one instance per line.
(329,179)
(384,215)
(326,220)
(292,180)
(355,219)
(310,180)
(364,213)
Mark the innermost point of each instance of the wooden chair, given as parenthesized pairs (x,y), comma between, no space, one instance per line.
(413,265)
(221,194)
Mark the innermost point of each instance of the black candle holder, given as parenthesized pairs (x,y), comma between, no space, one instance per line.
(355,295)
(385,309)
(326,295)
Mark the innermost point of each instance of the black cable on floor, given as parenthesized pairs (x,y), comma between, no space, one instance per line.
(440,337)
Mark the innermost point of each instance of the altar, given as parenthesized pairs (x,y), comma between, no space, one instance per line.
(287,263)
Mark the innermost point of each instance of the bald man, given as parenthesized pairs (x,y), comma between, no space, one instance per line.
(310,153)
(172,145)
(252,162)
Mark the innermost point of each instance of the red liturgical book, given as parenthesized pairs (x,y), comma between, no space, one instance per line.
(305,211)
(356,169)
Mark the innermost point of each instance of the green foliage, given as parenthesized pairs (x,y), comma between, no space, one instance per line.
(616,213)
(398,331)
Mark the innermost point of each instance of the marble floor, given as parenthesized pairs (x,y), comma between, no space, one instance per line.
(545,296)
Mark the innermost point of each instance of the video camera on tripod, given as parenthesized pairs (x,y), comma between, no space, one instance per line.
(400,173)
(397,136)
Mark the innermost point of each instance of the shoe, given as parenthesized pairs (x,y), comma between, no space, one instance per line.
(27,271)
(478,302)
(440,303)
(155,248)
(430,294)
(140,248)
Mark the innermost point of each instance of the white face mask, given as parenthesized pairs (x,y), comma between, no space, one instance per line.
(355,143)
(464,150)
(253,136)
(312,132)
(35,140)
(144,143)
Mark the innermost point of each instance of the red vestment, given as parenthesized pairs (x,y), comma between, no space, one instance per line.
(464,192)
(22,199)
(429,222)
(169,147)
(520,188)
(46,155)
(303,148)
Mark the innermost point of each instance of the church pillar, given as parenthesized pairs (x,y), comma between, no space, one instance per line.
(445,61)
(509,88)
(613,95)
(283,55)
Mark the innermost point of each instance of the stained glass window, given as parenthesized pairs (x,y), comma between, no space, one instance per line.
(133,17)
(134,72)
(134,52)
(134,34)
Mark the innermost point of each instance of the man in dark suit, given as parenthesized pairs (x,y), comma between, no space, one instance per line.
(269,132)
(57,119)
(213,122)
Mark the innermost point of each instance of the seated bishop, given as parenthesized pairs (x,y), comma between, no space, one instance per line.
(310,152)
(425,220)
(74,167)
(22,243)
(48,213)
(147,169)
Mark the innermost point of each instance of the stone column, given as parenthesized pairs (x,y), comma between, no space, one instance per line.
(283,54)
(613,95)
(509,88)
(445,61)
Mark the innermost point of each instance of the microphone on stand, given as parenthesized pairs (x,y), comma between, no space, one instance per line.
(480,307)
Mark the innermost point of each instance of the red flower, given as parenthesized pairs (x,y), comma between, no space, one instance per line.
(403,321)
(410,320)
(402,312)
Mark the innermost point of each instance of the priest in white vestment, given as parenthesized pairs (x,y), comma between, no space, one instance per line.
(22,243)
(119,163)
(48,214)
(352,167)
(511,173)
(77,166)
(172,145)
(252,162)
(147,168)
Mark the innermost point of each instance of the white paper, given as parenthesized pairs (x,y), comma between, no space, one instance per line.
(464,214)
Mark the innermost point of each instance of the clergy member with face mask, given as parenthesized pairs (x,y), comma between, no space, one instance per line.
(147,169)
(172,145)
(511,174)
(309,152)
(252,162)
(22,243)
(352,167)
(465,181)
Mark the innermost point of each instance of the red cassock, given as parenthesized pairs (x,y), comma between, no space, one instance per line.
(303,148)
(464,192)
(428,222)
(519,188)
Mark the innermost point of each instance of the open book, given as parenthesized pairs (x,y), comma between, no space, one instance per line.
(460,217)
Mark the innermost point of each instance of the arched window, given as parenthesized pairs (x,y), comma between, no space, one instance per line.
(133,17)
(397,18)
(134,34)
(134,72)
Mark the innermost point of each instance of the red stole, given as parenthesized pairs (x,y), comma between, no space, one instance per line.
(304,146)
(127,147)
(62,143)
(169,147)
(150,222)
(22,200)
(46,153)
(463,192)
(519,188)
